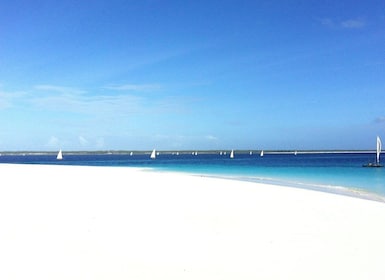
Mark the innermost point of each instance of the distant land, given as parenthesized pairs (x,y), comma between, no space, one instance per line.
(181,152)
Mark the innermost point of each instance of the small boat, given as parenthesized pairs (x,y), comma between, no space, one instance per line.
(59,155)
(153,154)
(261,154)
(378,152)
(232,154)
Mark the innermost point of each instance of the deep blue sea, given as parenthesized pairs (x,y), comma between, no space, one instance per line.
(331,172)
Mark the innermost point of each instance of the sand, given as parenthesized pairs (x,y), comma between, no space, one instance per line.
(66,222)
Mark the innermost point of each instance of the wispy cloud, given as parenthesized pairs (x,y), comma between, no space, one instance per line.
(353,23)
(211,138)
(55,143)
(327,22)
(380,120)
(83,141)
(79,101)
(7,99)
(125,100)
(344,24)
(135,87)
(59,89)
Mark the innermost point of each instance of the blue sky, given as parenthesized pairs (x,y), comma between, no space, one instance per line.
(134,75)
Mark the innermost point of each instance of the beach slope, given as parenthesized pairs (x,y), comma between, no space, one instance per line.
(71,222)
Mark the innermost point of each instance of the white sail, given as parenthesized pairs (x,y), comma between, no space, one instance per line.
(59,155)
(378,149)
(153,154)
(232,154)
(261,153)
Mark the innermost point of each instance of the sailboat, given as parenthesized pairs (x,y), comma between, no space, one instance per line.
(59,155)
(153,154)
(232,154)
(261,153)
(378,152)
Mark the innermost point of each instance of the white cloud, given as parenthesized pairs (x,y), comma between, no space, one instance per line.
(69,113)
(59,89)
(327,22)
(7,99)
(75,100)
(99,103)
(345,24)
(352,23)
(135,87)
(211,138)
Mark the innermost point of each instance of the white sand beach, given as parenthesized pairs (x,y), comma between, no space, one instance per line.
(66,222)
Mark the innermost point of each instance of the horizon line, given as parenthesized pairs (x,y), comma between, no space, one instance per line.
(184,151)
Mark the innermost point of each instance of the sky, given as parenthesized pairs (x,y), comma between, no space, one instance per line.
(180,75)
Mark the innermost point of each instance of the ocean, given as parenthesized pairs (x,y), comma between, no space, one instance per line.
(330,172)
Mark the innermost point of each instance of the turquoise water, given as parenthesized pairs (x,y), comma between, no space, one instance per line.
(331,172)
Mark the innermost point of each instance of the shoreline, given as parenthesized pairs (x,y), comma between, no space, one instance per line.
(318,187)
(332,189)
(82,222)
